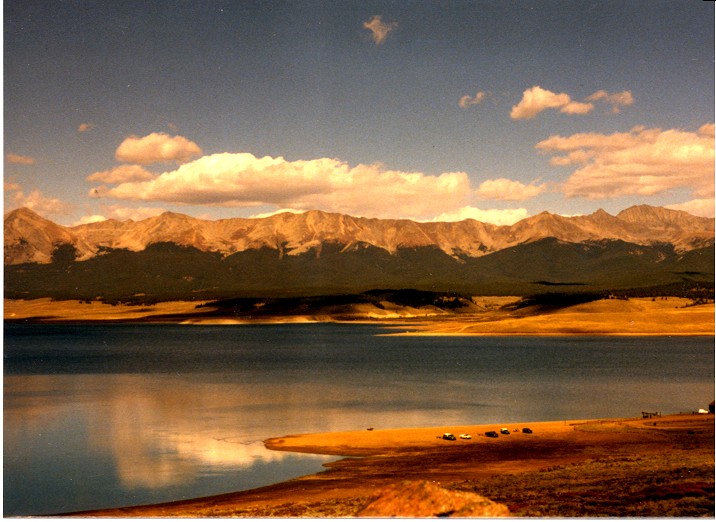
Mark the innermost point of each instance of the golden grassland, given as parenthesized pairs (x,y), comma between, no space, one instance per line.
(636,316)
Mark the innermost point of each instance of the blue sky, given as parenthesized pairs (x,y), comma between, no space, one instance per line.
(495,110)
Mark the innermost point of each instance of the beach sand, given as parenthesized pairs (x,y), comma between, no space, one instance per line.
(375,459)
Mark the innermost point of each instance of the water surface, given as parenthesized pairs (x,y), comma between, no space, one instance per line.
(110,415)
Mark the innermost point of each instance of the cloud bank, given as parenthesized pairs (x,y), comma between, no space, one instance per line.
(157,147)
(641,162)
(379,29)
(241,179)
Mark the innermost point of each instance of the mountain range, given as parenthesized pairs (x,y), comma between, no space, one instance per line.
(175,256)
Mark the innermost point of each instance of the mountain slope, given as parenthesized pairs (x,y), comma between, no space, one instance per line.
(177,257)
(30,238)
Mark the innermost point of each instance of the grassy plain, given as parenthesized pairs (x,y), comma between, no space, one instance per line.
(484,316)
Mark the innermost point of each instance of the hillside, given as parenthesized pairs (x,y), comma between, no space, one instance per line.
(174,256)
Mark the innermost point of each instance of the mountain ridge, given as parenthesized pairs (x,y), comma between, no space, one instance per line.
(30,238)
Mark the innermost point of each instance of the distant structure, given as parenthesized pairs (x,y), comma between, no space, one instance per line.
(711,407)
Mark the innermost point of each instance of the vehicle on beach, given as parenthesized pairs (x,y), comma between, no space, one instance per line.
(504,431)
(492,434)
(448,436)
(465,436)
(526,430)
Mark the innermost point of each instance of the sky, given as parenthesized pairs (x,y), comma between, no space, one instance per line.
(426,110)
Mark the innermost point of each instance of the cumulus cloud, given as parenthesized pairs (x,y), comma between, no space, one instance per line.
(157,147)
(242,179)
(121,174)
(617,100)
(275,212)
(17,159)
(536,99)
(120,213)
(508,216)
(85,220)
(379,29)
(697,207)
(467,100)
(502,189)
(84,127)
(15,197)
(641,162)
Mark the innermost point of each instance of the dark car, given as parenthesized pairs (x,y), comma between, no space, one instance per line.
(492,434)
(448,436)
(526,430)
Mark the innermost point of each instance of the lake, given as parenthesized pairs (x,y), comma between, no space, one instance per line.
(110,415)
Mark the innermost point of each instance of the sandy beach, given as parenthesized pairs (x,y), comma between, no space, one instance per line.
(375,459)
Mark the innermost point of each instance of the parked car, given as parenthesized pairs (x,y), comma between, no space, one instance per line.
(492,434)
(465,436)
(504,431)
(526,430)
(448,436)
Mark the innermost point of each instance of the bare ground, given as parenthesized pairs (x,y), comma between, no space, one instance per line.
(555,470)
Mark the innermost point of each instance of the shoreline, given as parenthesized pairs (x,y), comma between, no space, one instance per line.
(373,459)
(607,317)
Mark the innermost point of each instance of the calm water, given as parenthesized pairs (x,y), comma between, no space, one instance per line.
(102,416)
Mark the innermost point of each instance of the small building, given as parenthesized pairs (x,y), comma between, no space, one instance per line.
(711,407)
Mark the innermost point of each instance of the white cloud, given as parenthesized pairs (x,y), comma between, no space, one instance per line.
(84,127)
(15,197)
(121,174)
(242,179)
(379,29)
(275,212)
(157,147)
(502,189)
(697,207)
(120,213)
(17,159)
(639,162)
(467,100)
(508,216)
(536,99)
(575,107)
(84,220)
(616,100)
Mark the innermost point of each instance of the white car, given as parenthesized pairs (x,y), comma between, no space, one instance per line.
(465,436)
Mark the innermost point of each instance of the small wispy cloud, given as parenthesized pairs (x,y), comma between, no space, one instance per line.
(121,174)
(84,127)
(617,100)
(17,159)
(502,189)
(379,29)
(467,100)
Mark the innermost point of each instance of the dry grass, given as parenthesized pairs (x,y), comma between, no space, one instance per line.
(679,484)
(642,316)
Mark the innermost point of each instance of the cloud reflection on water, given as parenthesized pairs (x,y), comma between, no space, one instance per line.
(165,430)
